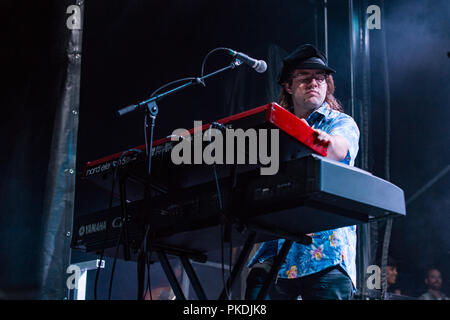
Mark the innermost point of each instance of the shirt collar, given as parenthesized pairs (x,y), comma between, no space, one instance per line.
(318,114)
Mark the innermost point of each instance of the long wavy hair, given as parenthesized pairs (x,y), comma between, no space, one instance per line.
(285,99)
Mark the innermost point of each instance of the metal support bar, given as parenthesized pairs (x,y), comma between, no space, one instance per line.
(176,251)
(275,268)
(193,278)
(123,204)
(171,275)
(243,256)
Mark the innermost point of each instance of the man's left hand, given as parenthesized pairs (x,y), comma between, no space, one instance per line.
(321,137)
(337,145)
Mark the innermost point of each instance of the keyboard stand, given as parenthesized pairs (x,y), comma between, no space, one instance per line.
(237,268)
(274,269)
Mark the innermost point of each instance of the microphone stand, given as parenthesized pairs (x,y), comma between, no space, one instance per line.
(195,81)
(151,109)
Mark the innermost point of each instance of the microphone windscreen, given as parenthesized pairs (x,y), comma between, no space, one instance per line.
(262,66)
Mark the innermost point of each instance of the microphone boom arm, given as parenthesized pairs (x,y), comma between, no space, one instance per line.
(195,81)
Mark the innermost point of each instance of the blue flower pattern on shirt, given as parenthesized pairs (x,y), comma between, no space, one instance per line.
(332,247)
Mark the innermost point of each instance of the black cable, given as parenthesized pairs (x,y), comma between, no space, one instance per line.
(146,252)
(222,260)
(147,259)
(230,261)
(97,273)
(149,165)
(121,231)
(115,260)
(207,55)
(116,168)
(145,136)
(190,78)
(149,286)
(219,197)
(171,83)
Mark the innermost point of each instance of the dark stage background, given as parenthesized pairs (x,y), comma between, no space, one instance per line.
(130,48)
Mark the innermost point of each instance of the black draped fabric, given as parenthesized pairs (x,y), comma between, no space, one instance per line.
(39,134)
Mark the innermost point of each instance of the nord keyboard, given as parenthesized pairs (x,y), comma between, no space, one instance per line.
(295,140)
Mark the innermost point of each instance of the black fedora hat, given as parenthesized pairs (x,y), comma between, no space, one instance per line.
(305,56)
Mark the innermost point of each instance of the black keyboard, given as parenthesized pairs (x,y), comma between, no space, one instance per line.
(308,194)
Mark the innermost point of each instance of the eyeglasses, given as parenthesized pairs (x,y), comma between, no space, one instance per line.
(304,79)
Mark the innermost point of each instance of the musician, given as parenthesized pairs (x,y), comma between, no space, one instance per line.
(326,269)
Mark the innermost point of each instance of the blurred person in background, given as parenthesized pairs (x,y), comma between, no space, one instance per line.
(433,280)
(391,277)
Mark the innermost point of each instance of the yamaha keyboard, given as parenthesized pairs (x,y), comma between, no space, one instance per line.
(308,194)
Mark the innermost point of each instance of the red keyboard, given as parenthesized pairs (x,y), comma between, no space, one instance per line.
(270,116)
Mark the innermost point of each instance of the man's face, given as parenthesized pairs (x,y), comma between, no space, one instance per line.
(434,280)
(308,88)
(391,274)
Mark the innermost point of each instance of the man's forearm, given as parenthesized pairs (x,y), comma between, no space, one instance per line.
(337,145)
(337,148)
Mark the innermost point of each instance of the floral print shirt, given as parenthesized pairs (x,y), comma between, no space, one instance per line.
(332,247)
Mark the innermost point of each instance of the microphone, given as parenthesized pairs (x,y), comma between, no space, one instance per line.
(259,65)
